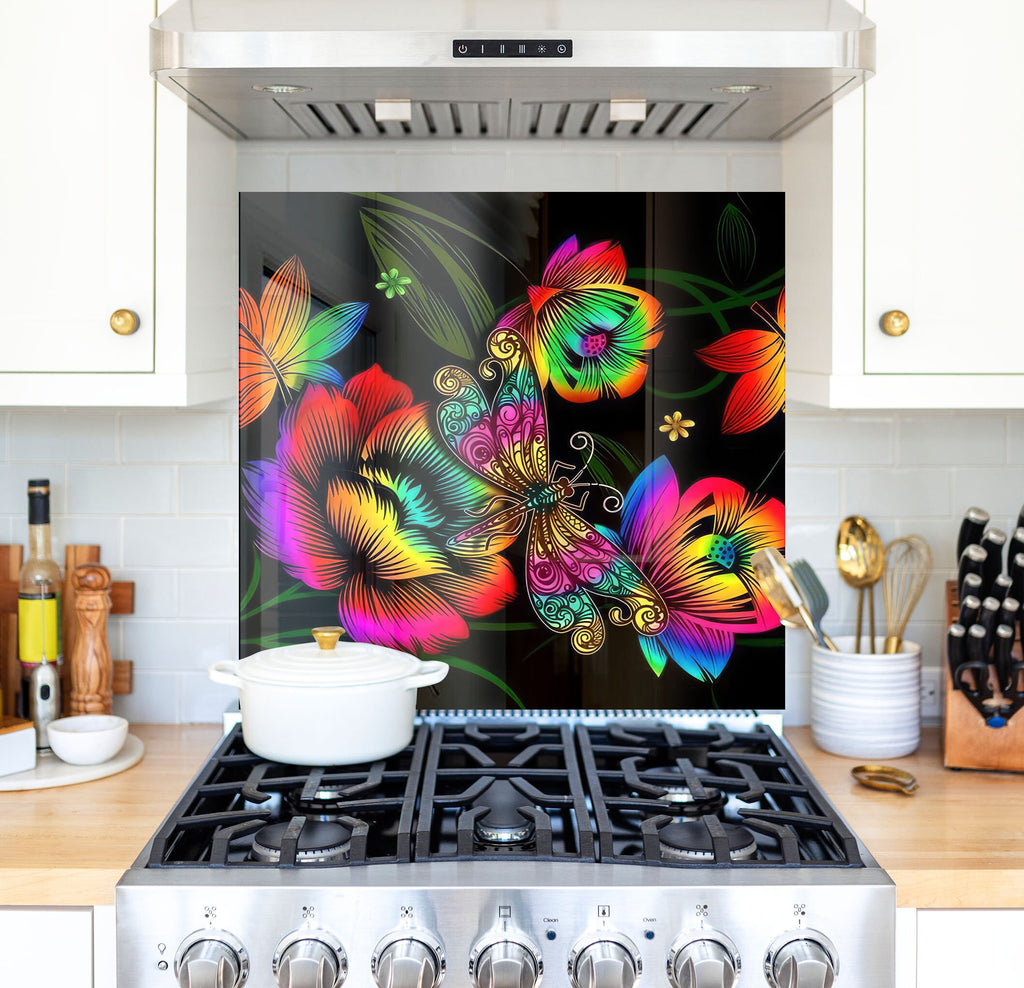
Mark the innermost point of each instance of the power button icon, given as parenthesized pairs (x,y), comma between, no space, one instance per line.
(463,49)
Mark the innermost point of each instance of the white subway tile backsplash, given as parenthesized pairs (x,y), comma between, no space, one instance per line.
(999,490)
(262,172)
(203,701)
(156,645)
(209,593)
(896,492)
(178,437)
(838,441)
(342,172)
(940,440)
(470,172)
(121,490)
(211,490)
(653,172)
(755,172)
(74,437)
(178,542)
(156,592)
(83,530)
(155,698)
(14,478)
(812,493)
(577,169)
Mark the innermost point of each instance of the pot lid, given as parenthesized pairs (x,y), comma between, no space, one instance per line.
(328,662)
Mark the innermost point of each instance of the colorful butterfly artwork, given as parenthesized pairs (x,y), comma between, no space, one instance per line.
(568,561)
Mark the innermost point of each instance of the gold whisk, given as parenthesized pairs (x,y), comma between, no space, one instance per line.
(908,562)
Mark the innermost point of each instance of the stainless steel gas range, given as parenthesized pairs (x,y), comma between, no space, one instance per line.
(500,851)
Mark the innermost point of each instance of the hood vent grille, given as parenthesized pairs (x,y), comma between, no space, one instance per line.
(355,120)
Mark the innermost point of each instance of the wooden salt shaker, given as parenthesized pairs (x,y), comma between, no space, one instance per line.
(92,670)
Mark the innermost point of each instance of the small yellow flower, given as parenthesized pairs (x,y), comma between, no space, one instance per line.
(676,426)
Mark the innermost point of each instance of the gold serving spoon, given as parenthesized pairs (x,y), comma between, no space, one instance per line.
(860,558)
(776,580)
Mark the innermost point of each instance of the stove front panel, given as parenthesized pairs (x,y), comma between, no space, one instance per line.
(552,912)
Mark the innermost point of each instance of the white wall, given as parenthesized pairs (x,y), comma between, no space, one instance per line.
(158,490)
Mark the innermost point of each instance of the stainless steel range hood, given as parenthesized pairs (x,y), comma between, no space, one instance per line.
(495,69)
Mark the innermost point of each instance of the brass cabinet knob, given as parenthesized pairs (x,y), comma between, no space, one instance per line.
(895,323)
(124,322)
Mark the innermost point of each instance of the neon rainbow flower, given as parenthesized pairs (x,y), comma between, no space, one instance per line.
(588,331)
(358,500)
(759,357)
(280,347)
(696,550)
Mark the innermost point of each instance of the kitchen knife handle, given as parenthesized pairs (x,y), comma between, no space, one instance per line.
(973,524)
(1017,575)
(977,660)
(970,608)
(1016,545)
(992,542)
(956,650)
(1009,612)
(972,560)
(1004,644)
(1001,587)
(988,618)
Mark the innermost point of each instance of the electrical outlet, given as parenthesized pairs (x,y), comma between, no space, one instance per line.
(931,689)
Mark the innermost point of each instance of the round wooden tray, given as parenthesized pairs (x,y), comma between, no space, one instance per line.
(50,771)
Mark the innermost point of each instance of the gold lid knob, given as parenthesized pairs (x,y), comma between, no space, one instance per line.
(124,322)
(328,637)
(895,323)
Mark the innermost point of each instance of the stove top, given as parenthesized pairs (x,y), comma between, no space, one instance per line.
(495,852)
(639,793)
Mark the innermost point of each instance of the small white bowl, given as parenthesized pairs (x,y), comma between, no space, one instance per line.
(88,739)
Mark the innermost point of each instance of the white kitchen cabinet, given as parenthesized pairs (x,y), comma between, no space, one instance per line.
(908,197)
(968,947)
(46,947)
(113,196)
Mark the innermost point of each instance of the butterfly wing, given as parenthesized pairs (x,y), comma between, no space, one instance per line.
(504,441)
(568,561)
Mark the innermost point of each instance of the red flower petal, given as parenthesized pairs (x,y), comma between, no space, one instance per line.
(742,351)
(755,399)
(600,263)
(375,395)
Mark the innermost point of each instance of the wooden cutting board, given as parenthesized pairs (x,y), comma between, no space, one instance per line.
(50,771)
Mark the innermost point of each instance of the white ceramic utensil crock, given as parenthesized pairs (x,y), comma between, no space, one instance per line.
(328,703)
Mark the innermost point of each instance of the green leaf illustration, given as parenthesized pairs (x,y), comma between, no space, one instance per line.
(444,297)
(737,244)
(471,667)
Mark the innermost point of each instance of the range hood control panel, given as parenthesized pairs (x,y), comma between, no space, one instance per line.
(514,48)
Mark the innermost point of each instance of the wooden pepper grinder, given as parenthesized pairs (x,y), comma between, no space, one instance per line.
(92,670)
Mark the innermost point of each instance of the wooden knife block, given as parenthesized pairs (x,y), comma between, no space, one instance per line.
(122,597)
(967,741)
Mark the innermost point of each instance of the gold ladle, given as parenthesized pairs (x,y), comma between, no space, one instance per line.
(776,580)
(860,558)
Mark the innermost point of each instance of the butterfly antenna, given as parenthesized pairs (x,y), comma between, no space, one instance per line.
(582,441)
(612,501)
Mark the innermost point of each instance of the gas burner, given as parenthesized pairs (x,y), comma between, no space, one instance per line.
(691,841)
(327,803)
(502,824)
(681,801)
(319,843)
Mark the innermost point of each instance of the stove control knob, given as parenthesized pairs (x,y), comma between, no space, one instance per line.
(709,960)
(801,959)
(606,960)
(505,963)
(408,959)
(310,959)
(211,959)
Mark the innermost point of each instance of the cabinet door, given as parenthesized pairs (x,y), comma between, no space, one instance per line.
(944,198)
(47,948)
(76,186)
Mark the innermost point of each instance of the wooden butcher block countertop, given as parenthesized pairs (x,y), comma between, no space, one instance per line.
(958,843)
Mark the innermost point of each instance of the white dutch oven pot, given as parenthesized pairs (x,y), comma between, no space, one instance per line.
(328,703)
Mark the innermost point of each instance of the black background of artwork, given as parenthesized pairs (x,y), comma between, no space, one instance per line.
(673,231)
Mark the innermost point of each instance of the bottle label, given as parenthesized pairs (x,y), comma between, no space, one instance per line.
(38,621)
